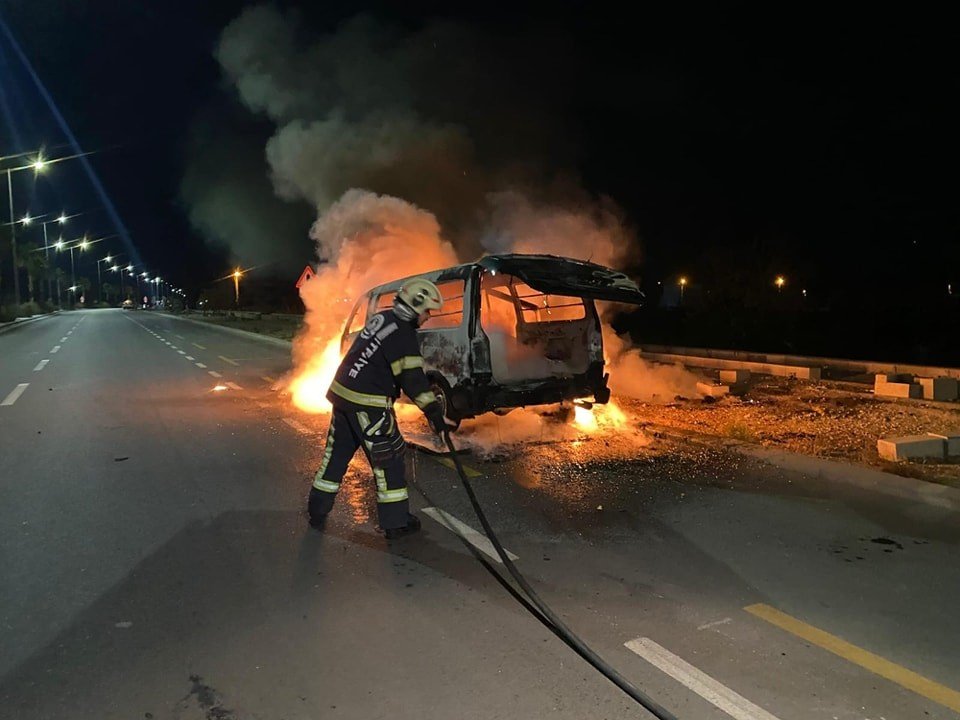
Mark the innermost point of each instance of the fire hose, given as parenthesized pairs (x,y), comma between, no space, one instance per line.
(543,612)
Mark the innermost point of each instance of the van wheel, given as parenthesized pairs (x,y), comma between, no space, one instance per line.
(441,389)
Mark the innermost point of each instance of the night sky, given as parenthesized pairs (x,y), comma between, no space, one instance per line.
(736,144)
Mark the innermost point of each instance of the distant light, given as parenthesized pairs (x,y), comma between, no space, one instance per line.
(144,274)
(115,268)
(72,288)
(26,220)
(780,281)
(62,219)
(683,281)
(130,268)
(108,259)
(39,164)
(236,273)
(84,244)
(58,244)
(804,293)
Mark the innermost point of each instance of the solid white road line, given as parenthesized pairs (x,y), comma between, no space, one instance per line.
(480,541)
(200,365)
(41,365)
(190,358)
(56,349)
(717,694)
(14,394)
(299,427)
(214,373)
(233,386)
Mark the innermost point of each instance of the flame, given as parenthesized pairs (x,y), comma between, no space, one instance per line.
(599,417)
(309,388)
(584,419)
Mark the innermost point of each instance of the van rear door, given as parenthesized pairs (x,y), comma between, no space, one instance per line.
(564,276)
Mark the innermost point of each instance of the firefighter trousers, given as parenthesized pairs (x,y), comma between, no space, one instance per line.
(375,431)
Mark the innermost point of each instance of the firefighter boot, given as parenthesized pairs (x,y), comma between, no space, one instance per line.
(412,526)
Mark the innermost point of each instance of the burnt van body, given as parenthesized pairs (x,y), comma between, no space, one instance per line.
(515,330)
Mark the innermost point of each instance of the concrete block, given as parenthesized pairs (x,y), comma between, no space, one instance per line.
(734,377)
(912,447)
(715,391)
(939,388)
(884,388)
(952,439)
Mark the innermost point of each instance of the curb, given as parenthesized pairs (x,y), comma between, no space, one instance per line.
(20,322)
(277,342)
(884,483)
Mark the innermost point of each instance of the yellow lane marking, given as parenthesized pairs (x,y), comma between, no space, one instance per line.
(198,346)
(447,462)
(931,690)
(228,360)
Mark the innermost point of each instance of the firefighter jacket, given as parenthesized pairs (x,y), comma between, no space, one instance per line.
(383,360)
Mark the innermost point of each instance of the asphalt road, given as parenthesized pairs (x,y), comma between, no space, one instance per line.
(155,563)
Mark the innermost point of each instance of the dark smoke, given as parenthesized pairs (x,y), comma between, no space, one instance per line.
(467,124)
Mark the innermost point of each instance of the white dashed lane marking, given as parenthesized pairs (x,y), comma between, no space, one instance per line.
(56,349)
(233,386)
(299,427)
(181,352)
(190,357)
(460,528)
(200,365)
(63,339)
(214,373)
(714,692)
(41,365)
(14,394)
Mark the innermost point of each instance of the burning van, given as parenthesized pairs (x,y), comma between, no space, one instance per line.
(515,330)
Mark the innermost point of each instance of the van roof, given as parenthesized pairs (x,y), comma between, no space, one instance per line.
(546,273)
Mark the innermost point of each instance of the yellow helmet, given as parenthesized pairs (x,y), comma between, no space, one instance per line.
(420,295)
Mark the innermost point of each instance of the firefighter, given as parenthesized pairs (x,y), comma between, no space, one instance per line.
(384,359)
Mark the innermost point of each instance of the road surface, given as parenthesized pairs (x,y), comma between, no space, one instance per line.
(155,563)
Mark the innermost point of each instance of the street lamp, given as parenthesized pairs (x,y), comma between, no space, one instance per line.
(780,282)
(62,220)
(37,166)
(107,259)
(683,285)
(236,286)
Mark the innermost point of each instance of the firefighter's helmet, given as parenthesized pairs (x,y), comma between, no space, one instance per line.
(420,296)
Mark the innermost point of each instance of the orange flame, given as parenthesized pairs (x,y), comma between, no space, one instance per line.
(599,417)
(309,388)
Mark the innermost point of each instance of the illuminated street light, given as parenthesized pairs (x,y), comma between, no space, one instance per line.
(780,282)
(62,219)
(236,285)
(683,285)
(37,165)
(26,220)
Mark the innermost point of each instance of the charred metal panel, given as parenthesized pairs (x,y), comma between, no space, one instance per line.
(565,276)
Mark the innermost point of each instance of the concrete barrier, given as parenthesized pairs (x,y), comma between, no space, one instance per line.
(952,440)
(943,389)
(853,366)
(761,368)
(912,447)
(734,377)
(893,386)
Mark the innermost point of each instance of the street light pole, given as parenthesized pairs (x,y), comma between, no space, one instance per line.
(13,238)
